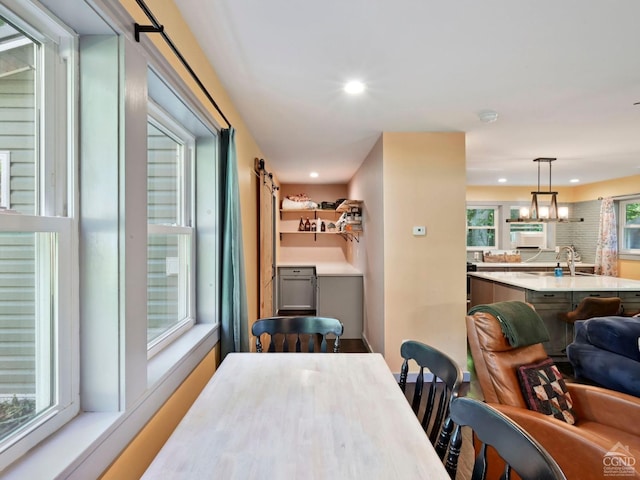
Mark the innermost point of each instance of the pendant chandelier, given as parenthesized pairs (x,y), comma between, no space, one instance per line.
(537,213)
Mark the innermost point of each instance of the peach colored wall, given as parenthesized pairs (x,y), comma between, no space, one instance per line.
(135,459)
(368,254)
(310,248)
(607,188)
(424,281)
(169,16)
(516,194)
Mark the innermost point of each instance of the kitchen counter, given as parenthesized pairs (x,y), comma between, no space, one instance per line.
(566,283)
(552,296)
(339,292)
(333,269)
(529,265)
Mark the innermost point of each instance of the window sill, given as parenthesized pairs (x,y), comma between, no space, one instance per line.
(89,443)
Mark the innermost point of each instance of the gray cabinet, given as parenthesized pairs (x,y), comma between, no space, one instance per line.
(548,305)
(297,289)
(341,297)
(630,302)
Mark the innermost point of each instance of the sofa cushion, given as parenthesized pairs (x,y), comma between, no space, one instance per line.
(545,391)
(616,334)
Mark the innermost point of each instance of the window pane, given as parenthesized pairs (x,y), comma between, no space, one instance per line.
(632,213)
(481,237)
(163,177)
(632,238)
(478,217)
(168,282)
(27,269)
(18,107)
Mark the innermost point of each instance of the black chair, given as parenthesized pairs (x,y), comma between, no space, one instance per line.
(317,329)
(431,406)
(518,449)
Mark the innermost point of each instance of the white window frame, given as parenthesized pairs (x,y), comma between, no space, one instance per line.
(55,214)
(186,219)
(496,227)
(5,176)
(622,226)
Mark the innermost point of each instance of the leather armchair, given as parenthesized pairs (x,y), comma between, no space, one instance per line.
(606,420)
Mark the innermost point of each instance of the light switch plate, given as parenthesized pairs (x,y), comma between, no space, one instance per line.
(419,230)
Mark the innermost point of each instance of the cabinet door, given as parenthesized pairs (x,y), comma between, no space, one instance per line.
(630,302)
(548,305)
(341,297)
(296,292)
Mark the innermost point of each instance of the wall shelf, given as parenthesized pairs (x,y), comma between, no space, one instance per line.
(319,213)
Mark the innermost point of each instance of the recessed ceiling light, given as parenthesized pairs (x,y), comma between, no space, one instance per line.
(313,174)
(574,180)
(354,87)
(502,180)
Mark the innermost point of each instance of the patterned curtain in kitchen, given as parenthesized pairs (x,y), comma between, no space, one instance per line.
(607,247)
(234,335)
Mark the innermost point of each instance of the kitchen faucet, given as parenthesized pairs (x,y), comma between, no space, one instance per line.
(571,259)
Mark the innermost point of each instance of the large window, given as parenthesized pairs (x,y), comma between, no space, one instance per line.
(170,255)
(630,226)
(38,386)
(482,228)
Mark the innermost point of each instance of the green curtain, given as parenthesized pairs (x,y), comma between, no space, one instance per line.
(234,335)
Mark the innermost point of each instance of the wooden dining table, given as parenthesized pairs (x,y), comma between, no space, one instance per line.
(299,416)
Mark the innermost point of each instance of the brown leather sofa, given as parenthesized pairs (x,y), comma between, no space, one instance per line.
(606,420)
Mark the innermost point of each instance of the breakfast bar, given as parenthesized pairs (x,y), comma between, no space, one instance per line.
(551,295)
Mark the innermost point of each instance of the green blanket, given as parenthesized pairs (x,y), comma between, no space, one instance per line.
(520,323)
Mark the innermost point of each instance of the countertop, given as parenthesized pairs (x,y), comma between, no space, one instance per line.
(579,283)
(328,269)
(563,264)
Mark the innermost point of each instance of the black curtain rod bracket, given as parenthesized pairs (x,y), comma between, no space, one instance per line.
(146,29)
(157,28)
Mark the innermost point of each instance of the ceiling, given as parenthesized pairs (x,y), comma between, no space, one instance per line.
(562,76)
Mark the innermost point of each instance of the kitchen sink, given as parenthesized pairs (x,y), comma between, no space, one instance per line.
(564,274)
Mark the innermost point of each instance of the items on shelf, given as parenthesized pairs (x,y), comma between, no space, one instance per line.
(301,225)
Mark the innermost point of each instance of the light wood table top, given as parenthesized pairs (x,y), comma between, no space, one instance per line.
(299,416)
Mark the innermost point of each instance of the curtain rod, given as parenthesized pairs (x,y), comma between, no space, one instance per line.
(157,28)
(621,197)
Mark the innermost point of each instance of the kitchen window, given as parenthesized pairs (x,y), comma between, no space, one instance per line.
(482,227)
(522,234)
(170,251)
(629,215)
(38,229)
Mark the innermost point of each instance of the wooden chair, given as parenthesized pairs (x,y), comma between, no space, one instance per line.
(317,328)
(516,447)
(431,406)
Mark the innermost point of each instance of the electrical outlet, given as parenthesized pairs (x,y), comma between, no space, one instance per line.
(557,249)
(420,230)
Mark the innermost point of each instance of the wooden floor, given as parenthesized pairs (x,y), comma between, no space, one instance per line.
(350,345)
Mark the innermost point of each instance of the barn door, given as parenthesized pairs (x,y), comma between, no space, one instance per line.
(267,244)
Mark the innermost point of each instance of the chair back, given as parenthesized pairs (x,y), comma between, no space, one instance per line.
(430,404)
(590,307)
(521,452)
(297,329)
(496,362)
